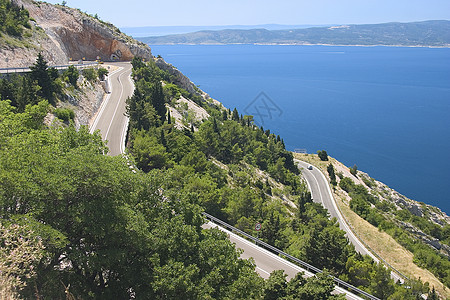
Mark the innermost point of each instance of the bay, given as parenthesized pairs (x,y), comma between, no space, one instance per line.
(385,109)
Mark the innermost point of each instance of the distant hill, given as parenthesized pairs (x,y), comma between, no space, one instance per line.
(426,33)
(170,30)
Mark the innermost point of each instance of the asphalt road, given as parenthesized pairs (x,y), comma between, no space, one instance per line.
(267,262)
(111,119)
(112,123)
(321,193)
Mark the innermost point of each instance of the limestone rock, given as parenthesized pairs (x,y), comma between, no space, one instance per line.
(65,33)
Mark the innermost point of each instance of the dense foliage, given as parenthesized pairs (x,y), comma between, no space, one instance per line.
(13,19)
(378,214)
(45,83)
(243,175)
(106,232)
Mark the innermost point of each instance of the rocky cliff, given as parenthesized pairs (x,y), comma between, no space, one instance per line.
(62,34)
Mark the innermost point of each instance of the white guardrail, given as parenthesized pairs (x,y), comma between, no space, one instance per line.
(61,67)
(301,263)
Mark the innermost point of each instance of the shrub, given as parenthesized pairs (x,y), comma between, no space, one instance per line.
(64,114)
(90,74)
(354,170)
(71,75)
(322,155)
(102,72)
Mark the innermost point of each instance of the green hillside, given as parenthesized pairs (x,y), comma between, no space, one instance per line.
(427,33)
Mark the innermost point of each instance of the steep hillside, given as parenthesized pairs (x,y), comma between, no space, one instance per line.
(62,33)
(411,236)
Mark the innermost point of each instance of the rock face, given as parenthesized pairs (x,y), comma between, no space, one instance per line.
(71,34)
(179,78)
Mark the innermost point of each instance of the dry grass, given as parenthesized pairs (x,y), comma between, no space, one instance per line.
(381,242)
(391,251)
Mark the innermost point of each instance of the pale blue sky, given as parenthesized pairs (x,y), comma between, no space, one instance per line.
(134,13)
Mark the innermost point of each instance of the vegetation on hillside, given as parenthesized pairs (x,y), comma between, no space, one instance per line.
(76,223)
(242,174)
(46,83)
(384,216)
(96,230)
(426,33)
(13,19)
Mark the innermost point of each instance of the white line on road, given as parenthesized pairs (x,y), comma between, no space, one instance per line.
(117,106)
(104,103)
(264,271)
(127,121)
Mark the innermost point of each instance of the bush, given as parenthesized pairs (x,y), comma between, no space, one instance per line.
(102,72)
(13,19)
(71,75)
(64,114)
(322,155)
(90,74)
(354,170)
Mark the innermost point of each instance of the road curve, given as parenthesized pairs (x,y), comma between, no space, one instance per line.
(267,262)
(111,119)
(112,123)
(321,193)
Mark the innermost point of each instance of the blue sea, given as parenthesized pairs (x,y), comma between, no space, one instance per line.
(385,109)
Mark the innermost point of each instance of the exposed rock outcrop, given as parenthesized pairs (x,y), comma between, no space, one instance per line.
(63,33)
(179,78)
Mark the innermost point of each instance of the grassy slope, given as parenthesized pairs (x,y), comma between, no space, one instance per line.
(382,243)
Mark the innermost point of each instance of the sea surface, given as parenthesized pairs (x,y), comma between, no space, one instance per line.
(385,109)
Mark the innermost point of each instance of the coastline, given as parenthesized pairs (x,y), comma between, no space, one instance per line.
(300,44)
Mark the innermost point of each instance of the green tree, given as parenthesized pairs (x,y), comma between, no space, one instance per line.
(90,74)
(235,115)
(102,73)
(72,75)
(381,284)
(332,175)
(322,155)
(148,152)
(318,287)
(354,170)
(328,248)
(45,78)
(275,286)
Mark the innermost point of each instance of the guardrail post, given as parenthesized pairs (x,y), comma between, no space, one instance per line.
(301,263)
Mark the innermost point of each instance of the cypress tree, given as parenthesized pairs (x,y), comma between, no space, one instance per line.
(158,100)
(40,73)
(169,119)
(224,115)
(215,127)
(235,116)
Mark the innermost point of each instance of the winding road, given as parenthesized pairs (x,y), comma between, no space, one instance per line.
(321,193)
(113,123)
(111,119)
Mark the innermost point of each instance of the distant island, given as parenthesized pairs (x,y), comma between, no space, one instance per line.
(420,34)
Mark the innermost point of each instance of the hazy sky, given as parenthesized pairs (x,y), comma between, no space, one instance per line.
(133,13)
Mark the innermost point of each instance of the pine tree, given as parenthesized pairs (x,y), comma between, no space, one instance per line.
(169,118)
(158,100)
(215,127)
(224,115)
(40,73)
(235,116)
(331,173)
(163,138)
